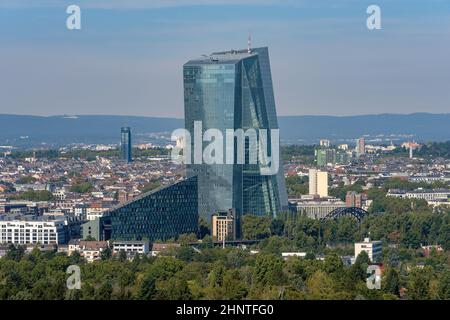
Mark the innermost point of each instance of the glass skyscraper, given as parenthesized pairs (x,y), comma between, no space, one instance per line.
(233,90)
(125,143)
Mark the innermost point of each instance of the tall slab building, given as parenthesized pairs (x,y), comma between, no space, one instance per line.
(125,143)
(233,90)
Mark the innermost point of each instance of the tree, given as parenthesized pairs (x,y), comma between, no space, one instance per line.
(147,288)
(84,187)
(122,256)
(15,253)
(418,285)
(320,286)
(255,227)
(391,282)
(277,227)
(444,286)
(203,228)
(268,270)
(333,264)
(106,254)
(40,195)
(358,271)
(104,292)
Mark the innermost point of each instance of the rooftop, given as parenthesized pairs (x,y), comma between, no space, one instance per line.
(231,56)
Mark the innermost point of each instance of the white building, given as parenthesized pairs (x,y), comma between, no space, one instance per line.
(318,183)
(131,248)
(90,250)
(25,231)
(93,213)
(324,143)
(373,248)
(428,195)
(318,209)
(286,255)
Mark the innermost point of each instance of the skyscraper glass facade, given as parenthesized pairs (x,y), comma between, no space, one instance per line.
(233,90)
(157,215)
(125,144)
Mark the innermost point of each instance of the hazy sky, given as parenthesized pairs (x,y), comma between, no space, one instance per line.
(127,58)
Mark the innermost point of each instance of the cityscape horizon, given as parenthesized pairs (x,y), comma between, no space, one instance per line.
(236,207)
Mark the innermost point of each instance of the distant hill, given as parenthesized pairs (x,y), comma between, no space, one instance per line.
(28,131)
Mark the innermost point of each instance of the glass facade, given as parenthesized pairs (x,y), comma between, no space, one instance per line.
(233,90)
(157,215)
(125,144)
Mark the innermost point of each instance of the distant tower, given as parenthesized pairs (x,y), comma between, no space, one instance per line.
(410,151)
(125,144)
(318,183)
(360,146)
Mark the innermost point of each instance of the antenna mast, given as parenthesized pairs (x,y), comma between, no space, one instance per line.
(249,43)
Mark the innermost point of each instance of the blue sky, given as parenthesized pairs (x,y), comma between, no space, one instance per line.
(127,58)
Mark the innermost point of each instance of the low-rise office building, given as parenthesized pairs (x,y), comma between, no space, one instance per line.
(131,248)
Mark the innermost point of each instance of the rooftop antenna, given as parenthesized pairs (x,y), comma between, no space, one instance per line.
(249,43)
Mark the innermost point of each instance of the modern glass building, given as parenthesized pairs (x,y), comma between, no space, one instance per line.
(125,143)
(156,215)
(233,90)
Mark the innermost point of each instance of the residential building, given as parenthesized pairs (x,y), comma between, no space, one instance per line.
(25,230)
(318,183)
(90,250)
(157,248)
(223,225)
(354,199)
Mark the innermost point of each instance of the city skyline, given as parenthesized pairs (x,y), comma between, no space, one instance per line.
(125,58)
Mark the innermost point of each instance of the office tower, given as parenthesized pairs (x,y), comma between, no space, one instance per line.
(159,214)
(223,225)
(318,183)
(360,146)
(233,90)
(125,143)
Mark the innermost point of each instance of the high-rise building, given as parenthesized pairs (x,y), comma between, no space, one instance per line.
(360,146)
(318,183)
(325,157)
(125,143)
(233,90)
